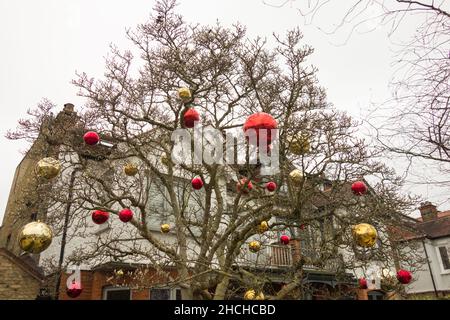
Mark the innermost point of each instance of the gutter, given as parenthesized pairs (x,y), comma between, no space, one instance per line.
(429,267)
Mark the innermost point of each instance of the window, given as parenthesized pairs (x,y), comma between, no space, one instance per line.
(112,293)
(445,257)
(165,294)
(375,295)
(33,216)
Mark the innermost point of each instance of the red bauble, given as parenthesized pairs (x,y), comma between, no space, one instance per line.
(404,276)
(285,239)
(125,215)
(99,216)
(359,188)
(190,117)
(197,183)
(91,138)
(271,186)
(258,121)
(362,283)
(244,185)
(74,290)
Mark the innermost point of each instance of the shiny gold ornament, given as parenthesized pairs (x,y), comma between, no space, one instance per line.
(254,246)
(165,160)
(263,227)
(119,273)
(299,144)
(365,235)
(296,176)
(130,169)
(251,295)
(35,237)
(165,228)
(184,94)
(48,168)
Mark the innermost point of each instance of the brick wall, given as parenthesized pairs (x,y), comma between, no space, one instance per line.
(15,282)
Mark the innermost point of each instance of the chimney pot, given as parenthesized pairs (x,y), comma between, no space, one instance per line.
(428,211)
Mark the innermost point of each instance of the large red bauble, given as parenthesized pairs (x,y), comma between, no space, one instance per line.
(271,186)
(404,276)
(74,290)
(125,215)
(362,283)
(190,117)
(359,188)
(258,121)
(91,138)
(285,239)
(197,183)
(244,185)
(99,216)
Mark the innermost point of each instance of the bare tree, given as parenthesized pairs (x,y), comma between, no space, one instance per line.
(135,108)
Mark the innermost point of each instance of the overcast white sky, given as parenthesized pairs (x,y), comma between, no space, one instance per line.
(44,42)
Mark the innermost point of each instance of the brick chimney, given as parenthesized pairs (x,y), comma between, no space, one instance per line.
(428,211)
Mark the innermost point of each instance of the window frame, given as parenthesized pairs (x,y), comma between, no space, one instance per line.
(172,292)
(442,266)
(105,291)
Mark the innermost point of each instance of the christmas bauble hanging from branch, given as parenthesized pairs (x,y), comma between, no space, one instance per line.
(296,176)
(35,237)
(48,168)
(404,276)
(365,235)
(271,186)
(261,123)
(263,227)
(254,246)
(251,295)
(190,117)
(91,138)
(130,169)
(74,290)
(100,217)
(165,228)
(299,144)
(197,183)
(184,94)
(362,283)
(284,239)
(359,188)
(244,185)
(125,215)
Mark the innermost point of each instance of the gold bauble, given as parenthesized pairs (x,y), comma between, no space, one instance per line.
(130,169)
(263,227)
(184,94)
(251,295)
(364,234)
(296,176)
(165,160)
(299,144)
(254,246)
(119,273)
(165,228)
(35,237)
(48,168)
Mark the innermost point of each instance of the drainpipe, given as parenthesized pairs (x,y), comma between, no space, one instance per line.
(429,267)
(64,235)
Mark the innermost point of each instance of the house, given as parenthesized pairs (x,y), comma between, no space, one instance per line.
(432,235)
(20,276)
